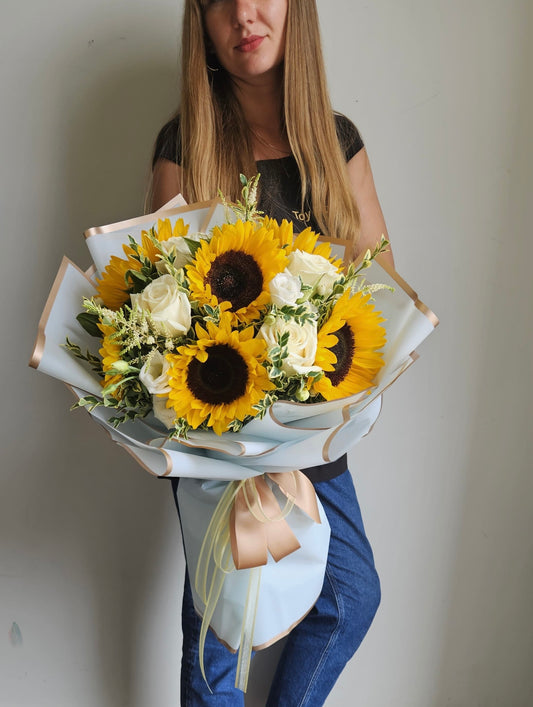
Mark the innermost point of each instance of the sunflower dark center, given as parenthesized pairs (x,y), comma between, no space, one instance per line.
(235,277)
(344,350)
(219,380)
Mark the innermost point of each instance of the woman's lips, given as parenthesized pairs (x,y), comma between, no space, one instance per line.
(248,44)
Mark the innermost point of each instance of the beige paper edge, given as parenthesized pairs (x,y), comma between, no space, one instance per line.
(38,348)
(218,450)
(263,645)
(398,279)
(148,219)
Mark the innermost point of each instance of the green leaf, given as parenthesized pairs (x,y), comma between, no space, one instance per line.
(192,244)
(90,323)
(137,277)
(89,401)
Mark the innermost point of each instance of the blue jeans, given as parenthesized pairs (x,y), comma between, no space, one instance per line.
(320,646)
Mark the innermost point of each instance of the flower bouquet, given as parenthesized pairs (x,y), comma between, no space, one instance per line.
(233,353)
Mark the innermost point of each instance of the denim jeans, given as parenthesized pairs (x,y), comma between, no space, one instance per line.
(320,646)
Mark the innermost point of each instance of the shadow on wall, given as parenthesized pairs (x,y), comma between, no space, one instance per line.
(261,674)
(122,528)
(108,147)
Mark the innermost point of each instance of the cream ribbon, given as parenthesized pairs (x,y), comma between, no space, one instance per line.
(247,524)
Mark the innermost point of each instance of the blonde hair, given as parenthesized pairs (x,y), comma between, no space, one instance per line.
(215,140)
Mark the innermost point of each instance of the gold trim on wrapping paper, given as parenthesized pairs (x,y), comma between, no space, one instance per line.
(223,451)
(325,449)
(173,203)
(346,410)
(293,427)
(90,272)
(40,341)
(267,644)
(246,456)
(218,450)
(214,203)
(361,396)
(130,451)
(149,219)
(141,463)
(398,279)
(413,356)
(167,456)
(327,444)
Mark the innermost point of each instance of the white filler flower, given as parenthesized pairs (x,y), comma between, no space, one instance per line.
(179,248)
(170,308)
(301,346)
(162,413)
(285,288)
(314,270)
(154,374)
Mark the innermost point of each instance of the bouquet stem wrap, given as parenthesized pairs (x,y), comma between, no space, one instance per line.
(274,514)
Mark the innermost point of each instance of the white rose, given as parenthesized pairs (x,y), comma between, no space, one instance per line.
(301,346)
(162,413)
(285,288)
(154,374)
(179,248)
(314,270)
(170,308)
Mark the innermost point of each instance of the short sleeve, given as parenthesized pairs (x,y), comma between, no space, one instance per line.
(349,138)
(168,142)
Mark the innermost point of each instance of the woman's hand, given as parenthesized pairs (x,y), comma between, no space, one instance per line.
(372,221)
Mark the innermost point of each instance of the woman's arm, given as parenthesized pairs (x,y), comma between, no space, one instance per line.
(166,182)
(372,221)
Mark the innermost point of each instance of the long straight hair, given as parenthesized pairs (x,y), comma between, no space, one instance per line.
(215,141)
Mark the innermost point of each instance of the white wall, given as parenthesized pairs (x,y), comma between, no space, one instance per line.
(90,557)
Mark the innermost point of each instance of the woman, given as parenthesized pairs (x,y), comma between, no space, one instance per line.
(254,99)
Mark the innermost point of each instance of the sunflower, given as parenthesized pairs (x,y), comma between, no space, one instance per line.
(115,285)
(219,377)
(284,231)
(306,241)
(236,266)
(110,352)
(163,232)
(348,347)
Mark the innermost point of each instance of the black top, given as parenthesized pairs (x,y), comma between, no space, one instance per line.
(279,193)
(279,198)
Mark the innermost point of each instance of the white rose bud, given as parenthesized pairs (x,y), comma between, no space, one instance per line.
(314,270)
(162,413)
(170,308)
(301,346)
(154,374)
(121,367)
(285,288)
(302,395)
(179,248)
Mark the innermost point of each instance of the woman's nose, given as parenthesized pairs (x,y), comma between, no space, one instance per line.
(244,11)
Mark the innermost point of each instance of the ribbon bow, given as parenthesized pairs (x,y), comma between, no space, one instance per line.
(257,522)
(248,522)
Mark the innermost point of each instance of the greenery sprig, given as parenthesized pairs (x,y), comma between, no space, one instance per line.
(247,208)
